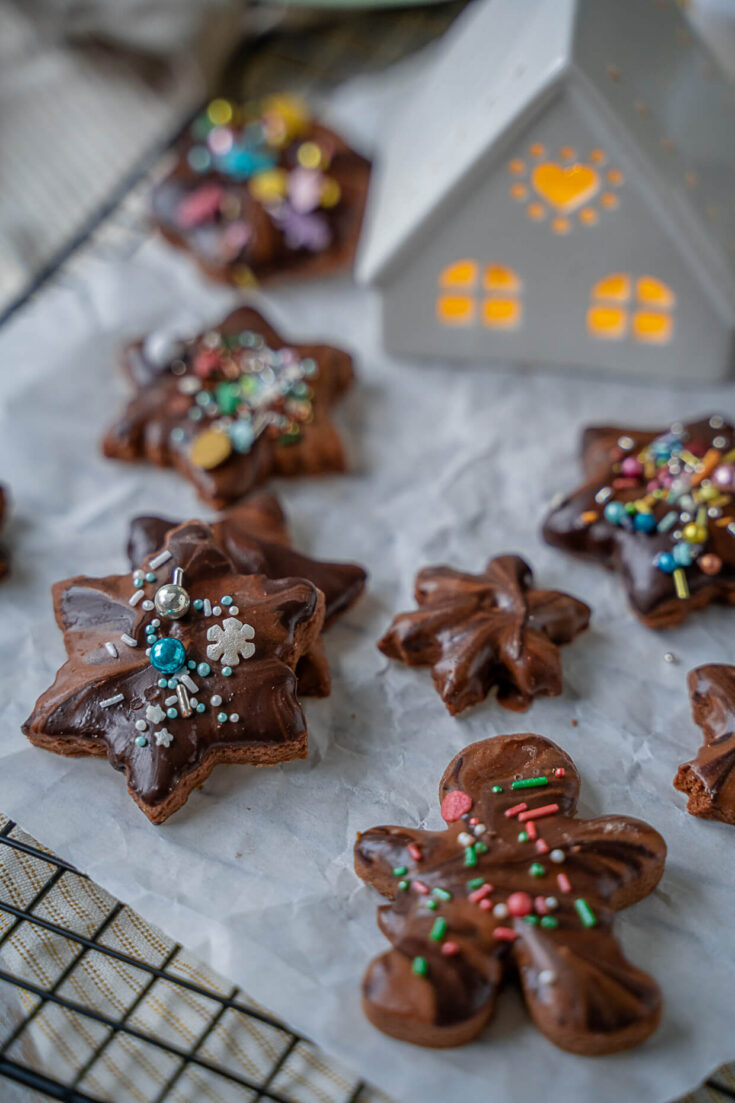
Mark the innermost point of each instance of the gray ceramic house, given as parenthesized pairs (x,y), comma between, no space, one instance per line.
(560,189)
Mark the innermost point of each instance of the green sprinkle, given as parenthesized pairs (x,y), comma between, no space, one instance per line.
(585,913)
(420,966)
(532,919)
(497,789)
(475,883)
(480,847)
(403,885)
(530,782)
(432,905)
(536,869)
(439,929)
(470,858)
(550,922)
(522,837)
(441,894)
(400,871)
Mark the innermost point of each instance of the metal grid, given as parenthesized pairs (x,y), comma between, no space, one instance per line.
(109,1028)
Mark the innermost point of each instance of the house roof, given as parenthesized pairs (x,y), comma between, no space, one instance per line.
(637,61)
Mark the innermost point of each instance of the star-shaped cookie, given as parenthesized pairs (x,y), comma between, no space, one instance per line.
(261,191)
(514,887)
(232,407)
(709,779)
(254,536)
(149,684)
(479,631)
(658,508)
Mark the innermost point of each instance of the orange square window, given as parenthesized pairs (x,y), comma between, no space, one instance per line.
(463,273)
(455,310)
(499,278)
(608,322)
(501,313)
(652,327)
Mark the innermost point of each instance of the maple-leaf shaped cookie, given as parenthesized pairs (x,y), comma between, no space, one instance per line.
(232,407)
(261,191)
(709,779)
(254,536)
(477,631)
(514,886)
(658,508)
(138,686)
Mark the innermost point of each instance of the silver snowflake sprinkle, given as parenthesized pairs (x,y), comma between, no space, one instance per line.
(164,737)
(230,641)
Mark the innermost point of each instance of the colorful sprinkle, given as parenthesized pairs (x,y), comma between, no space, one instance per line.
(585,913)
(420,966)
(530,783)
(538,813)
(536,870)
(514,811)
(439,929)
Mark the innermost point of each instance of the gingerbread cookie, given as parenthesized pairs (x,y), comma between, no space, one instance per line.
(232,407)
(657,507)
(254,536)
(489,630)
(263,190)
(514,886)
(180,666)
(709,779)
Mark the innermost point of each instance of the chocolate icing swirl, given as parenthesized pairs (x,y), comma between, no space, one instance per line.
(478,631)
(709,779)
(496,894)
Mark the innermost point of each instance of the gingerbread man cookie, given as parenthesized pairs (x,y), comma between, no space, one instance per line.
(514,886)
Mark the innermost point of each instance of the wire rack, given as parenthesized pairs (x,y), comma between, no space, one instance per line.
(194,1065)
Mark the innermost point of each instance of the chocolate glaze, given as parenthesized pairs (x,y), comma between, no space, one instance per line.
(709,779)
(651,592)
(156,425)
(486,630)
(266,254)
(287,616)
(578,987)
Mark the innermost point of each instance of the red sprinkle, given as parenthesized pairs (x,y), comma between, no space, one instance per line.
(419,886)
(563,882)
(486,905)
(415,851)
(559,771)
(481,893)
(541,845)
(455,805)
(540,905)
(199,206)
(516,809)
(450,948)
(519,904)
(205,362)
(474,821)
(531,830)
(505,934)
(538,813)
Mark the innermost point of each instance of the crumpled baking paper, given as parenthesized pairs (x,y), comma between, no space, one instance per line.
(448,464)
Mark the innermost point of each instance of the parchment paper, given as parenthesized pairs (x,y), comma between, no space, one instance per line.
(255,874)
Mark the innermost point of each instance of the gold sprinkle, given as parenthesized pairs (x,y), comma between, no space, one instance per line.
(681,584)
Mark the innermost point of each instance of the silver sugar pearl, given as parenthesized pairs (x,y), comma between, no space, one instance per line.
(172,600)
(670,657)
(716,422)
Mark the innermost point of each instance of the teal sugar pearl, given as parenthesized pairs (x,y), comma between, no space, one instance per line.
(168,655)
(191,664)
(201,707)
(162,683)
(141,741)
(204,669)
(198,603)
(226,671)
(222,717)
(226,600)
(172,713)
(150,577)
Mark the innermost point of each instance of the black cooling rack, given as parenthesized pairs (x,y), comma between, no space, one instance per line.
(70,1092)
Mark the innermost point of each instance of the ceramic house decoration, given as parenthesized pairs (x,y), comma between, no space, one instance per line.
(560,189)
